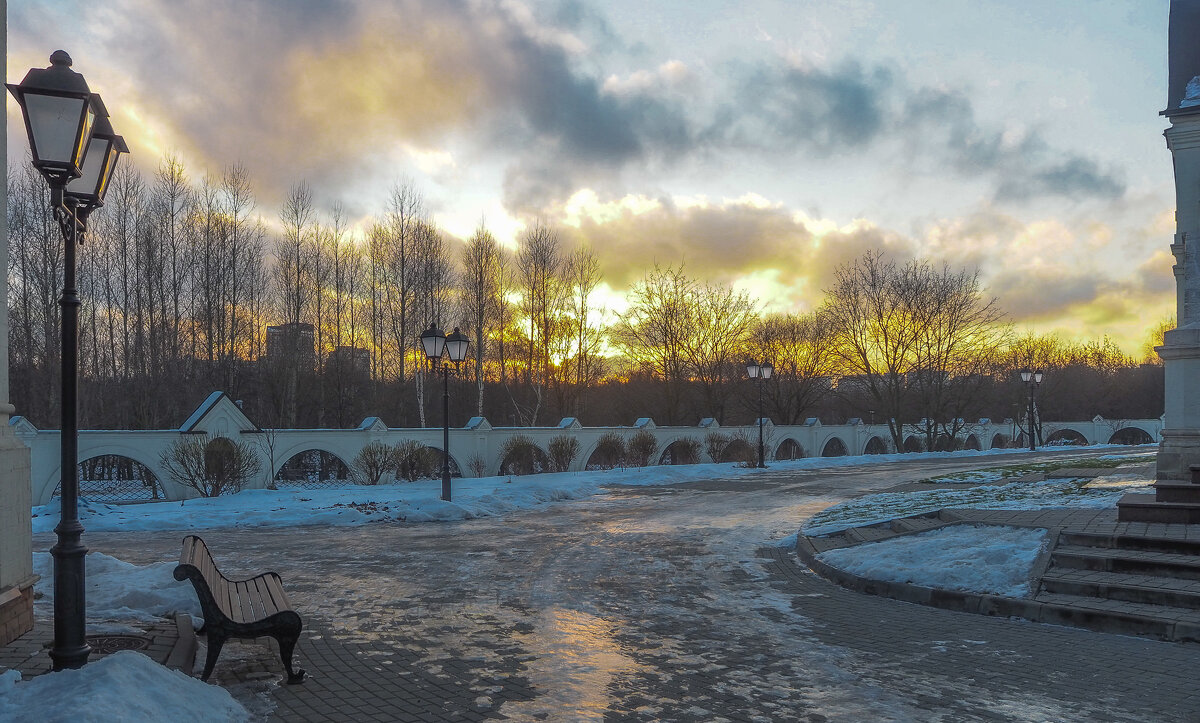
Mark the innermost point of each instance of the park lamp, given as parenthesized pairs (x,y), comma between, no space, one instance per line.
(753,369)
(87,191)
(1037,377)
(59,111)
(456,346)
(1025,375)
(766,370)
(433,342)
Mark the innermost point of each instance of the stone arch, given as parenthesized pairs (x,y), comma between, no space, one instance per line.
(1066,436)
(739,450)
(521,455)
(1131,435)
(684,450)
(945,443)
(607,453)
(49,485)
(312,467)
(789,449)
(999,441)
(834,447)
(972,442)
(875,445)
(116,478)
(455,469)
(913,443)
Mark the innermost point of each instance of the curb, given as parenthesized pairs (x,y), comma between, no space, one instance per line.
(996,605)
(183,653)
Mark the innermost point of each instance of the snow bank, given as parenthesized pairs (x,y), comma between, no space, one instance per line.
(972,558)
(124,686)
(118,590)
(420,501)
(1073,493)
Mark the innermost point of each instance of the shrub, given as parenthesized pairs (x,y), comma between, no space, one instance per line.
(211,467)
(563,450)
(521,455)
(372,462)
(415,461)
(478,465)
(715,444)
(685,451)
(641,448)
(610,452)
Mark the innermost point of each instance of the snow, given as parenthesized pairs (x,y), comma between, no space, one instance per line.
(124,686)
(1073,493)
(352,504)
(972,558)
(120,591)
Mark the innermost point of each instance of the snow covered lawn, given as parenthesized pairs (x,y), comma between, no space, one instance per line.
(971,558)
(124,686)
(1075,493)
(420,501)
(118,591)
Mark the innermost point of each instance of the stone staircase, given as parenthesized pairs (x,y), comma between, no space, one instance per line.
(1171,502)
(1125,583)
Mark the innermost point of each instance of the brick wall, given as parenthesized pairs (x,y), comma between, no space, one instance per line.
(16,616)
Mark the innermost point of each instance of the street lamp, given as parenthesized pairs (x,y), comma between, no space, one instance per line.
(760,372)
(1032,379)
(75,149)
(441,351)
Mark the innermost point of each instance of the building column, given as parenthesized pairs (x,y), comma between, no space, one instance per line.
(1180,352)
(16,533)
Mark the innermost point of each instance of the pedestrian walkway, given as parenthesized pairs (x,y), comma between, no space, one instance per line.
(163,642)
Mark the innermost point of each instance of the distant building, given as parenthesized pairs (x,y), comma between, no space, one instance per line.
(349,360)
(291,342)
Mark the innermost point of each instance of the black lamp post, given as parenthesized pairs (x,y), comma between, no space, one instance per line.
(760,372)
(75,149)
(445,353)
(1032,379)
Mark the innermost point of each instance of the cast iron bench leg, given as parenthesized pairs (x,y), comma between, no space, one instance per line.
(287,644)
(215,643)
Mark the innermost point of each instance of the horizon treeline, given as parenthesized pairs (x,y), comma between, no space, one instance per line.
(181,278)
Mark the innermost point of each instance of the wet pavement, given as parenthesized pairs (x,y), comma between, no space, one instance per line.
(661,603)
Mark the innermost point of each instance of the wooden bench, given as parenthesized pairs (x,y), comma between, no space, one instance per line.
(250,608)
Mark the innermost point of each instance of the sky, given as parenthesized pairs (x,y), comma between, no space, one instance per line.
(759,144)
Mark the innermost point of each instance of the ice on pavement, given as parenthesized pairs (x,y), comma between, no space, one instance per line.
(972,558)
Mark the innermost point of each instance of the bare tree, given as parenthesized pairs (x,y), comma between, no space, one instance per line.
(481,297)
(800,347)
(651,331)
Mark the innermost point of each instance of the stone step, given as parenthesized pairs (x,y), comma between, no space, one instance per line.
(1124,587)
(1134,562)
(1183,492)
(1117,616)
(1157,543)
(1145,508)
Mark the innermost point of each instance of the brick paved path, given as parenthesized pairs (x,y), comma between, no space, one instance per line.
(654,604)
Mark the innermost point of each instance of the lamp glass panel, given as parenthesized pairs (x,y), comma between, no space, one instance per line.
(457,349)
(110,164)
(94,164)
(1025,374)
(54,125)
(752,369)
(767,371)
(434,344)
(1037,377)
